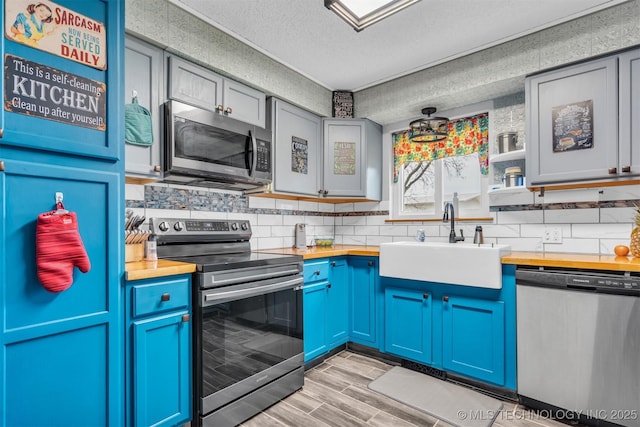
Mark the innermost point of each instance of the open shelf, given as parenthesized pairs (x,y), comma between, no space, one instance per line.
(505,157)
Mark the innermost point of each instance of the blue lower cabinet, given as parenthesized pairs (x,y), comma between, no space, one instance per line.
(161,376)
(314,309)
(408,324)
(338,303)
(362,301)
(473,338)
(158,346)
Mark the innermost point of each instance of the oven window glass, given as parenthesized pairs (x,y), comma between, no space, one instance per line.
(197,141)
(244,337)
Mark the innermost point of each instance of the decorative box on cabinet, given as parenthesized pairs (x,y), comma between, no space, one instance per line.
(201,87)
(143,75)
(325,302)
(158,349)
(579,125)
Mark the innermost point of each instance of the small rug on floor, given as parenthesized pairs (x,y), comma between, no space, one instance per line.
(449,402)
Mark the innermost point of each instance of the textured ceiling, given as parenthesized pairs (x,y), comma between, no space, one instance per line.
(307,37)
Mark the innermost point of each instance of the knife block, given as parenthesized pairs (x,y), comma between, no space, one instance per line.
(134,252)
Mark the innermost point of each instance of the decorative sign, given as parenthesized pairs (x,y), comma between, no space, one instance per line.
(344,158)
(37,90)
(55,29)
(572,126)
(299,155)
(343,104)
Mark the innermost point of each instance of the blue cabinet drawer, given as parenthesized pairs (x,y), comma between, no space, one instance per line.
(160,296)
(316,270)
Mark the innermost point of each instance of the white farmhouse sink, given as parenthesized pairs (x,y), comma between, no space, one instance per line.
(455,263)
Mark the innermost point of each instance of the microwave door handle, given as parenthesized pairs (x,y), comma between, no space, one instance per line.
(254,154)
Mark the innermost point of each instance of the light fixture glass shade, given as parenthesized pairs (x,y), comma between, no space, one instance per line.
(431,129)
(360,14)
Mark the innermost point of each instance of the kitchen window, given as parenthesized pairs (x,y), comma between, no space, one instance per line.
(424,181)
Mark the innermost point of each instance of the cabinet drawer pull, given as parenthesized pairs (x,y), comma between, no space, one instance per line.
(333,263)
(626,169)
(328,285)
(165,297)
(425,296)
(317,272)
(185,318)
(1,165)
(613,171)
(445,298)
(1,132)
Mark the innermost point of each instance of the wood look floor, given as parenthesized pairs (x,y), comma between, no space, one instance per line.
(335,393)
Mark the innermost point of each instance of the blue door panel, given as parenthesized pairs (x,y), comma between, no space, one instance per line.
(338,303)
(473,338)
(408,324)
(314,320)
(161,372)
(52,381)
(363,301)
(30,192)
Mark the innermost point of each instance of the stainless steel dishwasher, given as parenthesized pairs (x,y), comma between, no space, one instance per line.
(579,344)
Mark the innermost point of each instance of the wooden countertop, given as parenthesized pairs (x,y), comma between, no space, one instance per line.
(314,252)
(570,260)
(148,269)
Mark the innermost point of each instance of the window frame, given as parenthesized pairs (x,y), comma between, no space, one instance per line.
(395,189)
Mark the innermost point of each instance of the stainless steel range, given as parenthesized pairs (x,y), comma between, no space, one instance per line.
(247,336)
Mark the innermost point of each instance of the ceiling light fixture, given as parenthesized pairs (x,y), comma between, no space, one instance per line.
(362,13)
(431,129)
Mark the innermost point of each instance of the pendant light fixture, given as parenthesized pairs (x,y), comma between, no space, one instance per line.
(431,129)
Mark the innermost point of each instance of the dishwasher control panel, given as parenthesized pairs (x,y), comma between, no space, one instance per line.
(595,281)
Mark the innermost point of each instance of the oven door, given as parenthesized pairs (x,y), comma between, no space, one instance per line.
(249,334)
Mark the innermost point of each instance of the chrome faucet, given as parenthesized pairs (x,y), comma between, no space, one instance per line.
(448,210)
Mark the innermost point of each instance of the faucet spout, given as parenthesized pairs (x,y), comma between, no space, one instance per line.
(449,211)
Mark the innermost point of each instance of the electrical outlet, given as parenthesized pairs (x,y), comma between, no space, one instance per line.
(552,235)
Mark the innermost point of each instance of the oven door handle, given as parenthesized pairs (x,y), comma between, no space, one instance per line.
(215,297)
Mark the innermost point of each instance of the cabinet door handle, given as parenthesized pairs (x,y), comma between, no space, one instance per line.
(325,192)
(1,132)
(370,263)
(425,296)
(328,285)
(333,263)
(185,318)
(165,297)
(157,168)
(445,298)
(626,169)
(1,165)
(228,110)
(220,108)
(613,171)
(317,272)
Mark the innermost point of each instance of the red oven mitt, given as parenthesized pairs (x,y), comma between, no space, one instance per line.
(58,249)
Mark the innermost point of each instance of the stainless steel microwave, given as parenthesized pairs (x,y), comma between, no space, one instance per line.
(208,149)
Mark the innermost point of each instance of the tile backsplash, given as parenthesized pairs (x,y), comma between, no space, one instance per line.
(586,226)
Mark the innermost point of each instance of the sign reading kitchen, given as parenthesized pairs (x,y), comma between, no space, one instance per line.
(37,90)
(55,29)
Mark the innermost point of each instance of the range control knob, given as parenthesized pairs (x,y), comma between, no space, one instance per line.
(178,226)
(163,226)
(234,226)
(244,226)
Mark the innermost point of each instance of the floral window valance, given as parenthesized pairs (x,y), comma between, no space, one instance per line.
(466,136)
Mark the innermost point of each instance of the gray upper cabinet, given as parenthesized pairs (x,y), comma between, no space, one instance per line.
(297,136)
(352,158)
(629,109)
(201,87)
(328,158)
(572,117)
(579,122)
(143,75)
